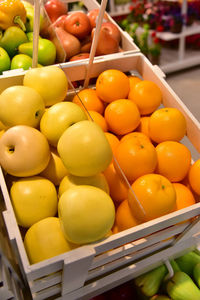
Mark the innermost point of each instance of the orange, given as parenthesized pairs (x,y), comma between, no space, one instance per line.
(113,141)
(156,196)
(112,85)
(184,196)
(115,229)
(194,176)
(133,80)
(136,157)
(122,116)
(174,160)
(99,119)
(124,218)
(144,125)
(147,96)
(135,135)
(90,100)
(118,187)
(167,124)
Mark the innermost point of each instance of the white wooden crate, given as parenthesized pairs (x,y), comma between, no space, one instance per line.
(94,268)
(127,45)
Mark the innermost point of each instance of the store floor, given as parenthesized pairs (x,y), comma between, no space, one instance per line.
(186,85)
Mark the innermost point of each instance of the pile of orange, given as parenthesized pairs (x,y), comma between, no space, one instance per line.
(147,177)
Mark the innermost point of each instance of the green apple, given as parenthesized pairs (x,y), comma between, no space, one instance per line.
(87,214)
(22,61)
(55,170)
(33,199)
(46,51)
(84,149)
(50,82)
(58,118)
(21,105)
(24,151)
(98,180)
(45,239)
(30,36)
(4,60)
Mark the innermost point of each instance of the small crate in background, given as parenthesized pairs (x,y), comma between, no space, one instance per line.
(92,269)
(127,46)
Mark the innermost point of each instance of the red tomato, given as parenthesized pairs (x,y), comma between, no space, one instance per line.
(78,24)
(55,9)
(93,14)
(79,56)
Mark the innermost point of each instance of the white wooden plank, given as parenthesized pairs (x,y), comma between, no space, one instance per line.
(45,282)
(75,271)
(137,245)
(128,273)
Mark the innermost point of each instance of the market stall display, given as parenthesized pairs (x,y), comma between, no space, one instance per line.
(89,191)
(95,260)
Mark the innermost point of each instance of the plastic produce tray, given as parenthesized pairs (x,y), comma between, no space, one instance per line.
(92,269)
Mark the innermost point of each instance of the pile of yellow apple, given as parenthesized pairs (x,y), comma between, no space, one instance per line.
(53,157)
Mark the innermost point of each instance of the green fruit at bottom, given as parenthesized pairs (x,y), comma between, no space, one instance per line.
(149,283)
(4,60)
(181,287)
(21,61)
(46,51)
(188,261)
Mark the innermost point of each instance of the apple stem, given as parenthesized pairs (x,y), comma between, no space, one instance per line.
(11,149)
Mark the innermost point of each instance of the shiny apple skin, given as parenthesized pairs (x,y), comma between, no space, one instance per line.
(86,214)
(24,151)
(78,24)
(21,105)
(33,199)
(84,149)
(58,118)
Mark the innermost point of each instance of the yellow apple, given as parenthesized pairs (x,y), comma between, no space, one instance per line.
(84,149)
(50,82)
(87,214)
(24,151)
(55,170)
(58,118)
(45,239)
(33,198)
(21,105)
(98,180)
